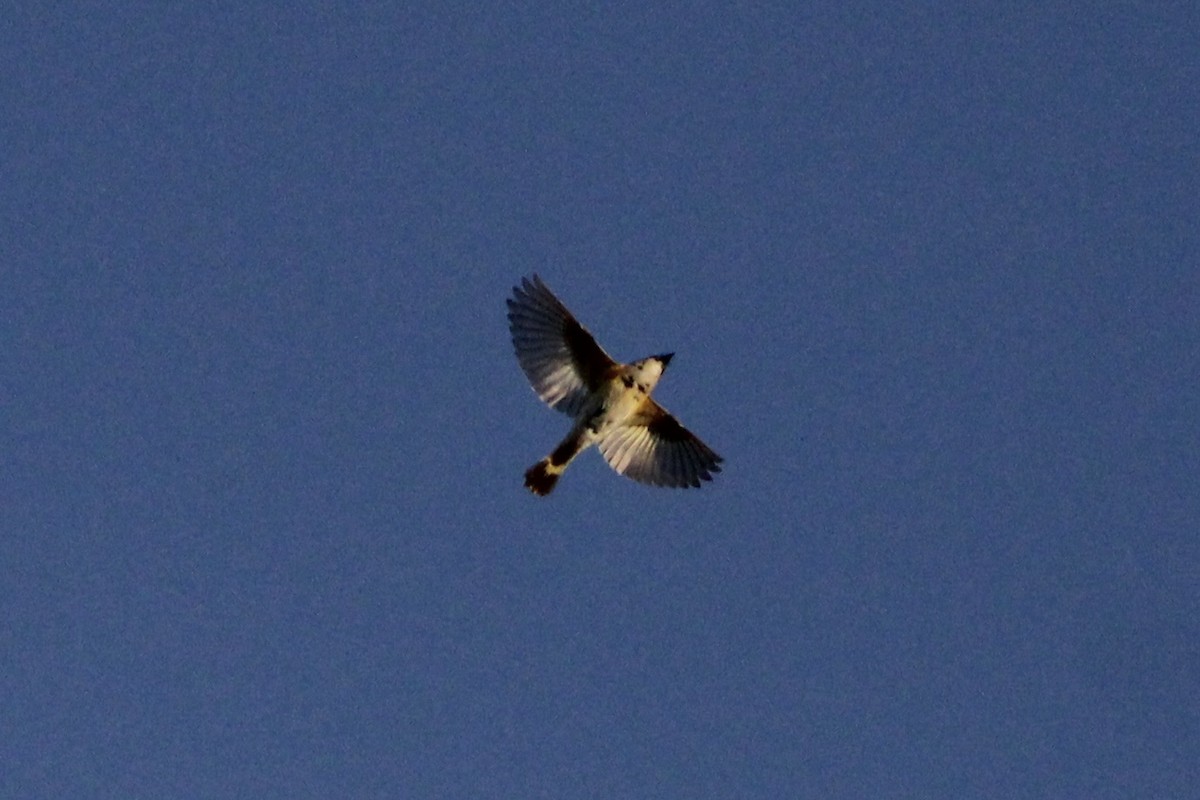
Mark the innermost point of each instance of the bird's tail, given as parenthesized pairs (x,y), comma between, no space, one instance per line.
(541,477)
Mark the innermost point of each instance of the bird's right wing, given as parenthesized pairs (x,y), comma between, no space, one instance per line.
(561,359)
(652,447)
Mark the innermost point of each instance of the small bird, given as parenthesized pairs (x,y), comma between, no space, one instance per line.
(610,402)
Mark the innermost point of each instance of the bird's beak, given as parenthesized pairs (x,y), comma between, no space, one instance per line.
(665,358)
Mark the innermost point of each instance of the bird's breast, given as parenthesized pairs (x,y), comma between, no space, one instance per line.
(620,402)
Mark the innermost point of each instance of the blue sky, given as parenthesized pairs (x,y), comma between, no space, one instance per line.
(931,280)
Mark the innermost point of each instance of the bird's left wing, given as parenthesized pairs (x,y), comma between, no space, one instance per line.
(561,359)
(652,447)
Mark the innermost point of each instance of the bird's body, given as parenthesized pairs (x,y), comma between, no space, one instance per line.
(610,402)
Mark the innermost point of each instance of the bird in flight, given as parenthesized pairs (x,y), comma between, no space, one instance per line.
(609,402)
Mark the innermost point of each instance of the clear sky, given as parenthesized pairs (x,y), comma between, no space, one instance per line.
(931,278)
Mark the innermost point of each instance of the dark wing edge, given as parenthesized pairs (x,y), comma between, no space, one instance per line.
(695,461)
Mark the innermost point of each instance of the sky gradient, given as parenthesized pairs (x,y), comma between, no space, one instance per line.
(931,279)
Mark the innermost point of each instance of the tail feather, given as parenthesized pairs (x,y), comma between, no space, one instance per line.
(541,477)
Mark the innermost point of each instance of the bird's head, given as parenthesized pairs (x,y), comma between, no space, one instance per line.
(648,370)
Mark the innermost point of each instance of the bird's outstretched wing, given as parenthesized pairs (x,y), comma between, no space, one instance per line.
(561,359)
(652,447)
